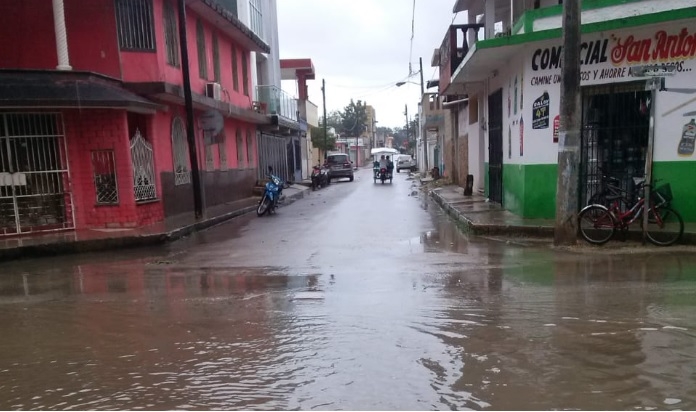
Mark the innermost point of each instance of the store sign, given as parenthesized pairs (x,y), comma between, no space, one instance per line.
(540,112)
(615,57)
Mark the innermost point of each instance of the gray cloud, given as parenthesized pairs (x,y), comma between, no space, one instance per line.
(361,48)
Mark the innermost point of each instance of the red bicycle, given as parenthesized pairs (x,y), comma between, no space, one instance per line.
(598,223)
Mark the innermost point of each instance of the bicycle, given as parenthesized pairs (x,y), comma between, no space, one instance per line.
(598,223)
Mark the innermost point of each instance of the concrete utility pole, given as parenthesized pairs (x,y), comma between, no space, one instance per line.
(198,188)
(566,228)
(407,125)
(323,96)
(420,132)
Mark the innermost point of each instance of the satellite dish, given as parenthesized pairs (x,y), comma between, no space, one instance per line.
(212,122)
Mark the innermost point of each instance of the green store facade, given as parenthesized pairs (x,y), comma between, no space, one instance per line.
(515,83)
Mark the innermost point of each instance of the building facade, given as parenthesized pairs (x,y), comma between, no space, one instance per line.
(511,81)
(92,119)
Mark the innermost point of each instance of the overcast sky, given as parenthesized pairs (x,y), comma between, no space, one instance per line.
(362,47)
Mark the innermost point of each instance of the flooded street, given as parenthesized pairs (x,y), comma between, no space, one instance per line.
(359,296)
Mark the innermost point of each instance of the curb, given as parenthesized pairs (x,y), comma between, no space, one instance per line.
(127,242)
(544,232)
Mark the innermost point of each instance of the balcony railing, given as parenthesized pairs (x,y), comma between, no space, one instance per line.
(275,101)
(452,53)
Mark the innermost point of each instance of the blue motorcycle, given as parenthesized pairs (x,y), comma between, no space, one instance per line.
(271,195)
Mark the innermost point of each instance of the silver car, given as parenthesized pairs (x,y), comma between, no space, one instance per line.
(405,162)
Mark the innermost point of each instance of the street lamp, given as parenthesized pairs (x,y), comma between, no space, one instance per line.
(399,84)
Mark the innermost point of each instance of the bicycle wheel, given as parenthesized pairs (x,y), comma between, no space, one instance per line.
(596,224)
(665,226)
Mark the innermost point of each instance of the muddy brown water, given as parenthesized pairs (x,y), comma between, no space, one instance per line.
(253,316)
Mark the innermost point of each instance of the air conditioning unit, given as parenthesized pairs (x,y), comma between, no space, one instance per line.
(213,90)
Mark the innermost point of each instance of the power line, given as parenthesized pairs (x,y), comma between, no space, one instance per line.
(413,34)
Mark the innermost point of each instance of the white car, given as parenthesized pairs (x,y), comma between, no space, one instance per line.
(405,162)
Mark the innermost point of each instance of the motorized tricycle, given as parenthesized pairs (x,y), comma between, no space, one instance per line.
(381,172)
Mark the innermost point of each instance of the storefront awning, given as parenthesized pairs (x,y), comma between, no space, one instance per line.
(68,89)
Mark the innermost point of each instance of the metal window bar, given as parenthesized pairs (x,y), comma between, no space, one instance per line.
(235,70)
(182,168)
(143,168)
(256,17)
(216,58)
(34,178)
(200,41)
(171,35)
(104,174)
(240,149)
(135,25)
(222,152)
(245,75)
(250,148)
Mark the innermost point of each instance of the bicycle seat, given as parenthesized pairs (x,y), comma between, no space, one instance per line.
(638,181)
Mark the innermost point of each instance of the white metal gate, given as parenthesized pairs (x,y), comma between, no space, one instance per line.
(34,180)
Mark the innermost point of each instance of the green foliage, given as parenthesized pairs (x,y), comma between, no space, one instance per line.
(319,142)
(353,119)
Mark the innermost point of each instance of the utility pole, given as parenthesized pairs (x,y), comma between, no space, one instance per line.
(420,131)
(198,189)
(566,228)
(407,125)
(323,96)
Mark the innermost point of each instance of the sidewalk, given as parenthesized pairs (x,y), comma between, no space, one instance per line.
(480,217)
(91,240)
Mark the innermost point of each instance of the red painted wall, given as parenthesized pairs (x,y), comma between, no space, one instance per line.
(29,42)
(104,130)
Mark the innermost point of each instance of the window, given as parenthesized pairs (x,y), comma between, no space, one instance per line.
(222,151)
(202,60)
(182,170)
(240,149)
(209,159)
(216,58)
(171,35)
(245,74)
(235,70)
(249,148)
(256,17)
(135,25)
(104,173)
(336,159)
(143,168)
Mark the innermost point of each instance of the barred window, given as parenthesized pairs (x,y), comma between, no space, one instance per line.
(222,151)
(240,149)
(143,168)
(216,58)
(202,60)
(256,17)
(245,74)
(235,70)
(134,19)
(104,173)
(171,35)
(250,148)
(209,159)
(182,169)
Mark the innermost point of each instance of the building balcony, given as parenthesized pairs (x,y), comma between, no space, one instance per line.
(464,60)
(279,105)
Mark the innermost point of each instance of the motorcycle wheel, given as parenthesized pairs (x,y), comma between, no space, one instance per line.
(264,206)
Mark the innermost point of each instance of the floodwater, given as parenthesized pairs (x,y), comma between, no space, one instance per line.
(339,303)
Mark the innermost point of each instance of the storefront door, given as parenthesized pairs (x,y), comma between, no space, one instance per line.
(495,147)
(616,120)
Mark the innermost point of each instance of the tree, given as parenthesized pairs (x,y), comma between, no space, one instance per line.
(353,119)
(318,140)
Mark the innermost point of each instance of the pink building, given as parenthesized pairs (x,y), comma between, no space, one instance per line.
(92,118)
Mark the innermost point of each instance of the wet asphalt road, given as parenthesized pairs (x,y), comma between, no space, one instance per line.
(359,296)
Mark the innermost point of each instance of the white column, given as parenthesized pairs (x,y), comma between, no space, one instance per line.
(61,36)
(489,19)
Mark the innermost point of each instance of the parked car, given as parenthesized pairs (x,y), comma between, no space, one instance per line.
(405,162)
(339,166)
